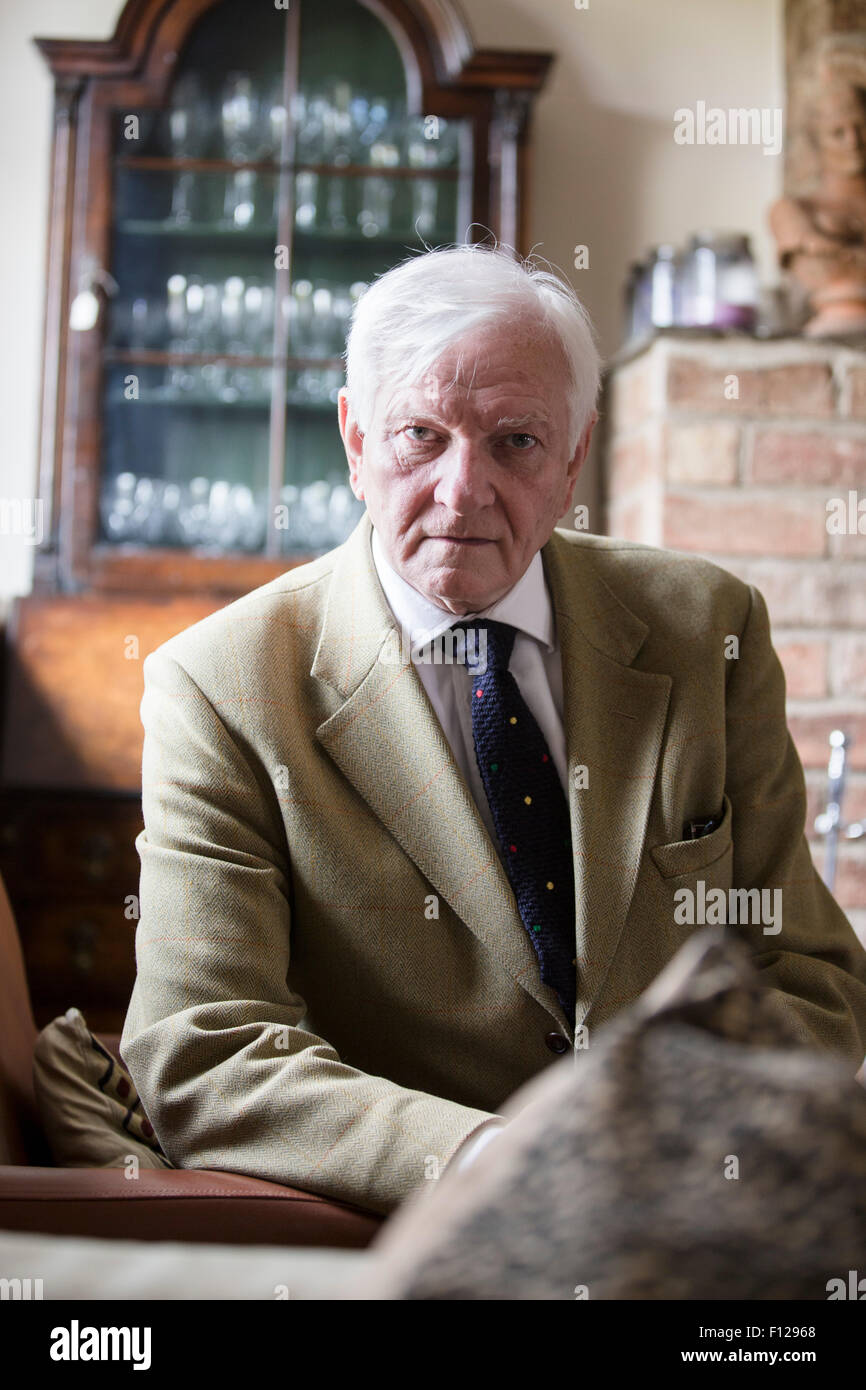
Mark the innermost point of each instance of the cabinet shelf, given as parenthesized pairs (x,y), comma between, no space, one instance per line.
(195,231)
(153,358)
(178,164)
(259,236)
(175,400)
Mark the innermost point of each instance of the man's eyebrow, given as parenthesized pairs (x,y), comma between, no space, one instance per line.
(517,421)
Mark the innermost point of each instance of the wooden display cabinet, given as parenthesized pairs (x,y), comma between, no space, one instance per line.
(227,176)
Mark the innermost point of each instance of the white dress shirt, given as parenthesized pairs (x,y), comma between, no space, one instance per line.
(535,664)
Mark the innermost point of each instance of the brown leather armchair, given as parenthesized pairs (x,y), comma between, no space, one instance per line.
(169,1204)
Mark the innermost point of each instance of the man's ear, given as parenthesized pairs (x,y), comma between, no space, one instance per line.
(353,442)
(579,458)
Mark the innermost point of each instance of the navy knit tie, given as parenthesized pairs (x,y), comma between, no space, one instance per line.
(527,804)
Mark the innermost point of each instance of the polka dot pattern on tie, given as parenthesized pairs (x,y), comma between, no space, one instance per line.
(527,804)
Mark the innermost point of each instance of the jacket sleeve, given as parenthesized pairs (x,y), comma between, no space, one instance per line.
(815,963)
(212,1038)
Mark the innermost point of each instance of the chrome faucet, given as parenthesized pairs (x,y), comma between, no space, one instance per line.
(830,823)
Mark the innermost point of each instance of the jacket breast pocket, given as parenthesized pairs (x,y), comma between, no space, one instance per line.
(710,854)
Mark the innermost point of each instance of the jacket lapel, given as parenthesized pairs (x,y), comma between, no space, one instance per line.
(614,723)
(388,742)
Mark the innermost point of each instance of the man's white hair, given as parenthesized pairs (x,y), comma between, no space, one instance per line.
(409,316)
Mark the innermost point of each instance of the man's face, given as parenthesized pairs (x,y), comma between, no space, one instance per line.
(466,473)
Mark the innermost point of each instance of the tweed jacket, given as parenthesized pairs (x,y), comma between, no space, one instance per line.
(334,986)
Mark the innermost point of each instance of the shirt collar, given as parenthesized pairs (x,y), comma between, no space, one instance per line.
(526,606)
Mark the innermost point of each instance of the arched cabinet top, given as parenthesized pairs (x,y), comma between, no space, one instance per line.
(432,36)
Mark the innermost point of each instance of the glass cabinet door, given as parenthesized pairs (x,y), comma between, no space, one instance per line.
(248,216)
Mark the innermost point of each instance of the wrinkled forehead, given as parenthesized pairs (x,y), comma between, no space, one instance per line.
(521,359)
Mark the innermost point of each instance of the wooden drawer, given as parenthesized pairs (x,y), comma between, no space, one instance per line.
(78,952)
(69,862)
(68,845)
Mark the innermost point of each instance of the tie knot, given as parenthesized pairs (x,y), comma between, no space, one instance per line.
(488,643)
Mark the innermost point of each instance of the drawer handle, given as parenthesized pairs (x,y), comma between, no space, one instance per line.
(81,939)
(97,850)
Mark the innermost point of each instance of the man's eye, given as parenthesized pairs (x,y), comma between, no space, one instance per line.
(419,433)
(521,441)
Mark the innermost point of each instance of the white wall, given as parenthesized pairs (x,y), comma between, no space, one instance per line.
(606,171)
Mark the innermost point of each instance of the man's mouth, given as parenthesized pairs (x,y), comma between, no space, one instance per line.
(463,540)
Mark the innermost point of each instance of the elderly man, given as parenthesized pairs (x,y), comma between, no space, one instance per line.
(382,888)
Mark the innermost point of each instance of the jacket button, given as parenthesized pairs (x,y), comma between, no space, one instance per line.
(556,1042)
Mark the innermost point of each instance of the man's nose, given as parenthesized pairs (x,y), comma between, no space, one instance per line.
(463,482)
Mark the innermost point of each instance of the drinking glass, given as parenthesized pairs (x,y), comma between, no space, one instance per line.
(322,326)
(336,204)
(240,116)
(377,193)
(314,515)
(273,122)
(116,505)
(192,510)
(239,208)
(170,533)
(299,308)
(342,127)
(306,194)
(256,337)
(371,117)
(237,299)
(178,375)
(314,127)
(143,320)
(196,329)
(259,317)
(189,124)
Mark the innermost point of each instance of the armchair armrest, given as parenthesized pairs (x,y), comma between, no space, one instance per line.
(176,1204)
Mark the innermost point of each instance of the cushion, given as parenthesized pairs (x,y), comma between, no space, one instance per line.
(88,1105)
(696,1149)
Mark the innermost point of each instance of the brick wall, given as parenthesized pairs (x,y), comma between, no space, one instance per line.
(732,448)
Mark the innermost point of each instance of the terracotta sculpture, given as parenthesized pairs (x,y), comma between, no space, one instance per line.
(822,237)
